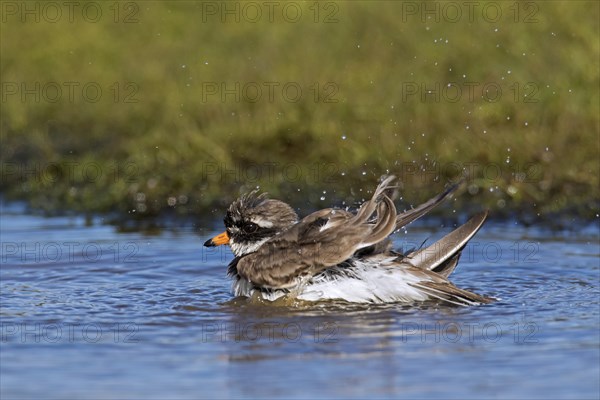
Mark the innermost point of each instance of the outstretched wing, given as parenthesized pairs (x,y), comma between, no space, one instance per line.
(409,216)
(437,261)
(436,256)
(321,240)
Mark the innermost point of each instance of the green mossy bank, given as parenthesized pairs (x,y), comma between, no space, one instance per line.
(159,106)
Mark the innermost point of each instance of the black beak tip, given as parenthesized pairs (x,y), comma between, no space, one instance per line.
(209,243)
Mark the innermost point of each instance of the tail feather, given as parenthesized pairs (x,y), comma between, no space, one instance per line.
(449,293)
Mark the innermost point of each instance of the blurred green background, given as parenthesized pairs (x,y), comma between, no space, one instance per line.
(146,108)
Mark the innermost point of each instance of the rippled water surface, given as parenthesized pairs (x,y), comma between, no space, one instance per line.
(88,312)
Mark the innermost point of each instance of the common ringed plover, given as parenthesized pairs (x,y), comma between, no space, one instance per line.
(338,254)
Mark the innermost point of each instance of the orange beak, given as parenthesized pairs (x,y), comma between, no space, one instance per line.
(218,240)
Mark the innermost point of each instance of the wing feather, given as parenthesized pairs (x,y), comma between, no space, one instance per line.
(306,249)
(409,216)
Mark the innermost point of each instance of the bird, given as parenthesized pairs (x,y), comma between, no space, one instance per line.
(337,254)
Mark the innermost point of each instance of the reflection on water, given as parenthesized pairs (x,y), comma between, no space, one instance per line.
(91,313)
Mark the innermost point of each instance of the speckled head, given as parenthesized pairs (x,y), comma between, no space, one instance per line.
(253,219)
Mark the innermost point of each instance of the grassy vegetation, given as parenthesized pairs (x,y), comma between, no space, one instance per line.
(515,104)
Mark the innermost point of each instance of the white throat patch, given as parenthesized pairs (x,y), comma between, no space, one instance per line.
(240,249)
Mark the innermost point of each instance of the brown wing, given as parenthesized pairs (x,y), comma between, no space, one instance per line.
(321,240)
(433,257)
(409,216)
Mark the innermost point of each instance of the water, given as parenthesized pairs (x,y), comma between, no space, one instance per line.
(91,313)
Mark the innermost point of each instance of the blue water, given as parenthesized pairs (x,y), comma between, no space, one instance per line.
(87,312)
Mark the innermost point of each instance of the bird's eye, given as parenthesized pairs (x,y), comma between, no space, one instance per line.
(250,227)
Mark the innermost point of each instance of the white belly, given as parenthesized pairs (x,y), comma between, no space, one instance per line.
(381,282)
